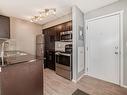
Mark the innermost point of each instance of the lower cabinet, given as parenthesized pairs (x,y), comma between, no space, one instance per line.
(22,79)
(50,60)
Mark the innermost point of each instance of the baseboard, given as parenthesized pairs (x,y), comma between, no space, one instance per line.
(80,77)
(85,74)
(75,81)
(124,86)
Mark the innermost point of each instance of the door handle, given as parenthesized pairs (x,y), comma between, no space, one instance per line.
(116,52)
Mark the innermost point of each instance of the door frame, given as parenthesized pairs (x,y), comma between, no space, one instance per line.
(120,13)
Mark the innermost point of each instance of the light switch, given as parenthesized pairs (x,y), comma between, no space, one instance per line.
(81,33)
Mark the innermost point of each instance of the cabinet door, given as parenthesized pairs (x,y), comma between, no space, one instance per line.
(60,28)
(46,36)
(69,26)
(51,60)
(22,79)
(51,39)
(57,37)
(4,27)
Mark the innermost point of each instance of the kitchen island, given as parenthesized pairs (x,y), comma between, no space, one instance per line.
(21,74)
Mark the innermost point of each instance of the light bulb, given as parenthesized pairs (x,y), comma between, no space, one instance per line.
(43,14)
(31,20)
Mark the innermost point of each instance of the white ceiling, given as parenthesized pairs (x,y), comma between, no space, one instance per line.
(24,9)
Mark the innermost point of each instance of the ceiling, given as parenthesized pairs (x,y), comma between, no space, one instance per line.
(24,9)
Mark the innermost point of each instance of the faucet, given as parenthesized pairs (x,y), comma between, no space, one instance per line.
(5,47)
(2,52)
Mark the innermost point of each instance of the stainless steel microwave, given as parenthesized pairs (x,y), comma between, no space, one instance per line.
(66,36)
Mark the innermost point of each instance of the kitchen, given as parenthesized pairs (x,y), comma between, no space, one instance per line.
(58,48)
(63,47)
(16,64)
(58,43)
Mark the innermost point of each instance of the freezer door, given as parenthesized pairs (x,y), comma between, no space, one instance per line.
(40,51)
(40,39)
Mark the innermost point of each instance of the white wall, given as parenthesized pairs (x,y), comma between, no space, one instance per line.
(78,21)
(58,21)
(24,33)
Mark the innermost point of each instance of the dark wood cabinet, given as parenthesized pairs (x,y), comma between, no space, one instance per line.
(68,26)
(59,28)
(49,48)
(4,27)
(50,56)
(22,79)
(49,39)
(52,34)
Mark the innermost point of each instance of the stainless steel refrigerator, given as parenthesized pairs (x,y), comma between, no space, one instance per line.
(40,46)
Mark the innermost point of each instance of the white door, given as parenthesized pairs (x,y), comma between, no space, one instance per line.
(103,48)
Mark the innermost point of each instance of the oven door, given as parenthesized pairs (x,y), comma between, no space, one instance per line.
(65,59)
(63,65)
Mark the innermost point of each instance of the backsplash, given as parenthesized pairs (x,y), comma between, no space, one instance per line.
(60,46)
(9,44)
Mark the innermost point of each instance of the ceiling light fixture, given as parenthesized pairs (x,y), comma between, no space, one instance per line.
(43,14)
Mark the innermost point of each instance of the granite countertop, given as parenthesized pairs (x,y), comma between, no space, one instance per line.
(16,57)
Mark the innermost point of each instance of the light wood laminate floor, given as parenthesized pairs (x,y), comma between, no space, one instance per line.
(56,85)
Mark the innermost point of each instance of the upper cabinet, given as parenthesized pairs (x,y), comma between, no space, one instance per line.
(67,26)
(52,34)
(4,27)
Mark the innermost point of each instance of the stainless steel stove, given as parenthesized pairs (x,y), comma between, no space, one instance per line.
(64,62)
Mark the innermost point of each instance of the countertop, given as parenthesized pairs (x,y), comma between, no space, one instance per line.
(16,57)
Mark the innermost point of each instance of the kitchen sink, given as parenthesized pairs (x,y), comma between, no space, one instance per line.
(13,53)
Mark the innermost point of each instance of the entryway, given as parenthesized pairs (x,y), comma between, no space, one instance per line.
(103,45)
(56,85)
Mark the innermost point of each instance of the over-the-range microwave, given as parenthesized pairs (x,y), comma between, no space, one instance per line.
(66,36)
